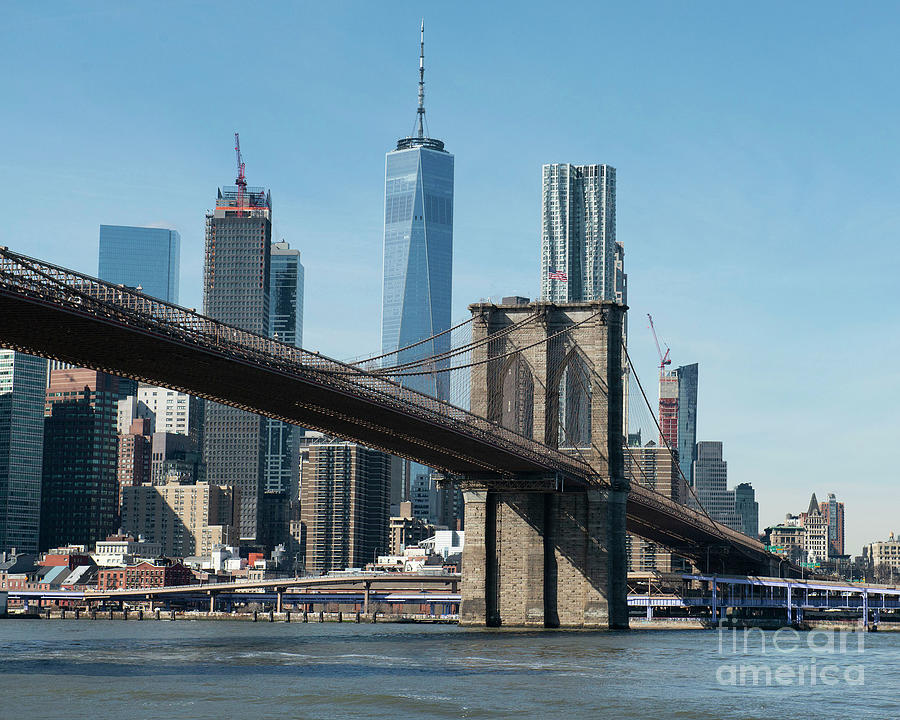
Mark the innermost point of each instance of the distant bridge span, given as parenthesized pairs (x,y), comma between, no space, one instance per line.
(57,313)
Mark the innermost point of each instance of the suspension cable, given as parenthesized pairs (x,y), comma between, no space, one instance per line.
(669,447)
(389,370)
(415,344)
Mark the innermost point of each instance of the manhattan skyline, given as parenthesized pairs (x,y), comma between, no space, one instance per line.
(759,222)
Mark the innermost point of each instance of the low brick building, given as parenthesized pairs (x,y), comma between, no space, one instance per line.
(144,575)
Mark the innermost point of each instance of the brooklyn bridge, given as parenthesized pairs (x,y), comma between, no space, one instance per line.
(539,452)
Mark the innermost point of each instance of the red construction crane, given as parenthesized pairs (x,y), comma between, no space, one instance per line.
(663,359)
(241,180)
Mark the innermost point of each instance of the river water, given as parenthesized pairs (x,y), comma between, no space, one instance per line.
(155,669)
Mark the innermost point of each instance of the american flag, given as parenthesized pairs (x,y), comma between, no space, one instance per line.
(558,275)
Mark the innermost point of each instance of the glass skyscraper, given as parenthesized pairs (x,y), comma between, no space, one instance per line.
(687,418)
(23,382)
(79,493)
(141,257)
(418,249)
(236,292)
(578,233)
(286,275)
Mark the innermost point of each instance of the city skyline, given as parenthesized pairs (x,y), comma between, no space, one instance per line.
(720,300)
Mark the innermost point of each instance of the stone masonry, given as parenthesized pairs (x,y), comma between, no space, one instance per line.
(550,559)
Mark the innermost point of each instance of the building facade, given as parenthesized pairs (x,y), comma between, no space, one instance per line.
(133,463)
(834,517)
(144,575)
(882,559)
(678,414)
(686,442)
(170,411)
(655,467)
(282,470)
(813,520)
(345,503)
(710,473)
(578,233)
(141,257)
(236,291)
(418,250)
(79,492)
(184,519)
(747,508)
(175,456)
(23,382)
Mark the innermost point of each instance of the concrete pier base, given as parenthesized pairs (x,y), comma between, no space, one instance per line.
(536,559)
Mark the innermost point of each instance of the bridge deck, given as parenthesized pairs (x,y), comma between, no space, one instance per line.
(54,312)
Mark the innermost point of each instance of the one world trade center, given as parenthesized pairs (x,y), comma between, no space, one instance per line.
(418,254)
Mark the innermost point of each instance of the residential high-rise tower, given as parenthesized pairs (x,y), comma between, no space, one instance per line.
(578,233)
(834,517)
(236,292)
(345,502)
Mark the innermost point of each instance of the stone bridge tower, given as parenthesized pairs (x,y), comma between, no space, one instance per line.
(535,556)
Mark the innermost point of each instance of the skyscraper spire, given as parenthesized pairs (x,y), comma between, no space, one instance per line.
(421,110)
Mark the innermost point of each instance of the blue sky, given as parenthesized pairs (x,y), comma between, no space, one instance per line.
(756,147)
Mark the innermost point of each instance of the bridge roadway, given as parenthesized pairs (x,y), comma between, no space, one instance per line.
(393,582)
(53,312)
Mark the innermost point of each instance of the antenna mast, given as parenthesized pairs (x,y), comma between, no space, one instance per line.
(241,180)
(421,110)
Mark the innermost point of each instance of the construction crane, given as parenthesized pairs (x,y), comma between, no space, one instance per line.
(241,180)
(664,359)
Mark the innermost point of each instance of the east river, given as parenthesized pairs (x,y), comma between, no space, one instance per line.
(153,669)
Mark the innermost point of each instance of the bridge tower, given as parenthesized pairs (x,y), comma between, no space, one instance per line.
(549,551)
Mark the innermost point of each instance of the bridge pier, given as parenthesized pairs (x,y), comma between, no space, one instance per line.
(540,559)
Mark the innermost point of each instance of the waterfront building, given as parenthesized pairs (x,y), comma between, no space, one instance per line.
(133,462)
(834,517)
(185,520)
(144,575)
(344,501)
(118,550)
(282,469)
(23,382)
(578,233)
(79,493)
(236,292)
(418,249)
(141,257)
